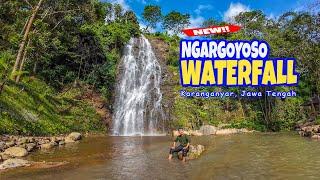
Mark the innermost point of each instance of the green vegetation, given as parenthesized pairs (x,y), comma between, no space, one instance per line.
(33,108)
(175,21)
(294,34)
(46,46)
(152,15)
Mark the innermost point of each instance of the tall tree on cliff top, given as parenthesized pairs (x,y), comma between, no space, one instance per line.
(152,15)
(175,21)
(26,30)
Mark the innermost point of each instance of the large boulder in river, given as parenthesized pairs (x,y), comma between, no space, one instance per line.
(16,152)
(72,137)
(12,163)
(208,130)
(195,151)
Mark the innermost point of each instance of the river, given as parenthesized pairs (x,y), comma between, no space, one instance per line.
(243,156)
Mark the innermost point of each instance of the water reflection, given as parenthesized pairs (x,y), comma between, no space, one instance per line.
(247,156)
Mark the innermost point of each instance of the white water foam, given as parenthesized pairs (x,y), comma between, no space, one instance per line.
(138,110)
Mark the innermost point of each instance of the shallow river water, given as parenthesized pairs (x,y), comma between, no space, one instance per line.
(244,156)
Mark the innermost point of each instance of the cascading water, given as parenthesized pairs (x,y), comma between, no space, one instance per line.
(138,108)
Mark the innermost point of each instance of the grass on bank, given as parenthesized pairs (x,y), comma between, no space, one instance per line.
(33,108)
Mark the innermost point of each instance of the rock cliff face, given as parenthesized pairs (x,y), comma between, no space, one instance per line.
(161,50)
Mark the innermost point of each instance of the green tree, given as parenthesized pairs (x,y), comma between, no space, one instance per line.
(210,22)
(175,21)
(152,15)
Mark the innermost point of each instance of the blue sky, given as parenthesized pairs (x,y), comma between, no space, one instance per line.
(218,9)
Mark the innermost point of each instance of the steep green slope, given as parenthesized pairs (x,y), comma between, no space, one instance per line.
(33,108)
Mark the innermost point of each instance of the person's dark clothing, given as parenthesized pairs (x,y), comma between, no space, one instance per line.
(183,139)
(178,149)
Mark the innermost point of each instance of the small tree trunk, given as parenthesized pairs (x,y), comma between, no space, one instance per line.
(25,26)
(22,62)
(24,39)
(34,70)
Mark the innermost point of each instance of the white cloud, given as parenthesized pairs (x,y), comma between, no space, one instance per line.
(143,27)
(202,7)
(234,10)
(123,3)
(272,16)
(196,21)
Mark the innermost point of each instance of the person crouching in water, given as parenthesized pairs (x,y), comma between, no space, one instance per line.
(184,142)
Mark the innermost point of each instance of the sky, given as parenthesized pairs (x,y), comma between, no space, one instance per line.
(217,9)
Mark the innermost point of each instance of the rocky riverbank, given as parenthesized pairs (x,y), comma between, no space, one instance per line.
(213,130)
(309,130)
(20,146)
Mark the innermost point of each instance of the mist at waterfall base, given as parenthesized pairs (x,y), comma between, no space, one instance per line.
(138,110)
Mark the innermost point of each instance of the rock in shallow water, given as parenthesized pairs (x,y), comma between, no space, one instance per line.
(61,143)
(16,152)
(74,136)
(48,145)
(195,151)
(12,163)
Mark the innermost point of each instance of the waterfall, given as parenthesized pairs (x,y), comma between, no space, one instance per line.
(138,98)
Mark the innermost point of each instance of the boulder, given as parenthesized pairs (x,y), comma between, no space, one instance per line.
(2,145)
(208,130)
(3,157)
(75,136)
(43,141)
(12,163)
(31,140)
(22,140)
(30,146)
(10,143)
(61,143)
(16,152)
(69,140)
(48,145)
(195,151)
(309,131)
